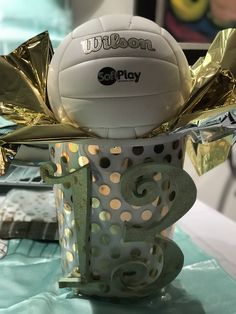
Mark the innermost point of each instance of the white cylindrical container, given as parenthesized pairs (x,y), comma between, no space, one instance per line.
(108,252)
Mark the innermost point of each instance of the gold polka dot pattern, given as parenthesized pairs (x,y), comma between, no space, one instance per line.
(75,247)
(115,204)
(125,216)
(95,228)
(116,150)
(104,215)
(73,147)
(115,177)
(95,202)
(83,160)
(157,176)
(93,149)
(67,208)
(59,169)
(104,189)
(146,215)
(69,256)
(115,229)
(68,233)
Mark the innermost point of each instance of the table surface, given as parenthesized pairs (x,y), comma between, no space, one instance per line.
(214,233)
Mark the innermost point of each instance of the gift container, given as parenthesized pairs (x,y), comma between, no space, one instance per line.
(117,201)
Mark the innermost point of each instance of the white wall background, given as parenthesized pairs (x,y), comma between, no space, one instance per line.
(216,188)
(85,10)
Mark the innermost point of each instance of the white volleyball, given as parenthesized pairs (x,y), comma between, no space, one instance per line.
(119,76)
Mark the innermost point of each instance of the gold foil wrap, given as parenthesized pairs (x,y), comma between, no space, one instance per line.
(208,118)
(7,153)
(209,155)
(23,75)
(24,102)
(209,115)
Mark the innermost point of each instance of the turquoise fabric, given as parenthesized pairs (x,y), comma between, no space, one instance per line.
(22,19)
(36,14)
(30,271)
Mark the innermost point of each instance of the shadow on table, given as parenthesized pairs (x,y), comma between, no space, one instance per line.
(175,300)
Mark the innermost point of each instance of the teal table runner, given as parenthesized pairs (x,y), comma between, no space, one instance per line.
(22,19)
(30,271)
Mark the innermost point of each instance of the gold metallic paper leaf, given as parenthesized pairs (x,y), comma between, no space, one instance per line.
(44,134)
(7,153)
(23,99)
(209,115)
(207,156)
(213,84)
(24,116)
(23,74)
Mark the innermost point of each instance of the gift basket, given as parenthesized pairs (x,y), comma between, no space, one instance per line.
(119,106)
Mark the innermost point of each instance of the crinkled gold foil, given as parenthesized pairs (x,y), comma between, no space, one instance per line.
(211,101)
(23,75)
(214,115)
(24,116)
(23,99)
(44,134)
(210,112)
(209,155)
(7,153)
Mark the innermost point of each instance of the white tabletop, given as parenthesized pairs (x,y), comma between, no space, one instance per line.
(214,233)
